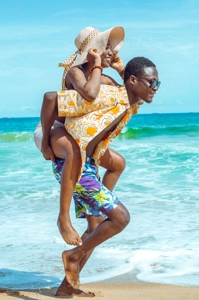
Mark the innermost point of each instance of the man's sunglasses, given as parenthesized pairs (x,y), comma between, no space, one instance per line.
(153,82)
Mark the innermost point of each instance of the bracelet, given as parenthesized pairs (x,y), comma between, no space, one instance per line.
(96,67)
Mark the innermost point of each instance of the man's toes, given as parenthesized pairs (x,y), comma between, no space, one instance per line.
(90,294)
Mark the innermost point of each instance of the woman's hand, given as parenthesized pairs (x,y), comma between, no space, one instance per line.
(47,151)
(93,56)
(117,64)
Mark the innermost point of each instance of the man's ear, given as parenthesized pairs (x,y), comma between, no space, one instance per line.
(132,79)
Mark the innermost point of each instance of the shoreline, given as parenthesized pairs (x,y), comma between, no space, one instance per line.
(116,288)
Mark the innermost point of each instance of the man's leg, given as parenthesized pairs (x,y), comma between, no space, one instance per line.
(117,220)
(65,289)
(94,197)
(115,164)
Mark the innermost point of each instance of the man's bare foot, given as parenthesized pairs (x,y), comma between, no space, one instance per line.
(67,231)
(65,289)
(71,268)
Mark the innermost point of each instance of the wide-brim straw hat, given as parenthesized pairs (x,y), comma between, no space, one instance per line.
(90,37)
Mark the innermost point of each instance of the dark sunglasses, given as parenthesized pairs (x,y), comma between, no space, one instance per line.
(153,82)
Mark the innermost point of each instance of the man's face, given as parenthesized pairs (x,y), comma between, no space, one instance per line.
(147,84)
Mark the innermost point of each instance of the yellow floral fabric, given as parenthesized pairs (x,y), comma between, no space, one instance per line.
(85,120)
(72,104)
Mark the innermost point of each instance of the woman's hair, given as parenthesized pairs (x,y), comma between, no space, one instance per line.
(136,66)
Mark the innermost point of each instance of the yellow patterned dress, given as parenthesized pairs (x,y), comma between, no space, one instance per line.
(85,120)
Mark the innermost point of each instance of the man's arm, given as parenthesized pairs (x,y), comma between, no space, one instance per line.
(49,113)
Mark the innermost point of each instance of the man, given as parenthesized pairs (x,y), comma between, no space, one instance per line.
(92,198)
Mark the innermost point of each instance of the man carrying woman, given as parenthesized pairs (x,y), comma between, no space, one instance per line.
(92,198)
(97,50)
(93,131)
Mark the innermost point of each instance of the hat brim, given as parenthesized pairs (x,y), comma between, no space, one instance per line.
(114,35)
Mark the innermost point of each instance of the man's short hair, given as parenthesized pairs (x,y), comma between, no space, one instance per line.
(136,66)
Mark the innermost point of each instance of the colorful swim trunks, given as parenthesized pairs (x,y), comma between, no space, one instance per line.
(91,197)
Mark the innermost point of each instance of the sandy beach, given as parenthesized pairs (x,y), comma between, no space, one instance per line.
(117,288)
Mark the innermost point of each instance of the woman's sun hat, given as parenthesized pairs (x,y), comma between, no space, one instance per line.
(90,37)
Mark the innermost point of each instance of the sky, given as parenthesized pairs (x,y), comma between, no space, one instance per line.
(35,35)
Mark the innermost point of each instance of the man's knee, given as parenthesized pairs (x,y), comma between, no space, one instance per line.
(121,165)
(123,218)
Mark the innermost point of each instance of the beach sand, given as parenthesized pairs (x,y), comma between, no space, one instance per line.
(117,288)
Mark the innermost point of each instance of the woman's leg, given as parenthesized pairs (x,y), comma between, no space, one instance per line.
(115,164)
(64,146)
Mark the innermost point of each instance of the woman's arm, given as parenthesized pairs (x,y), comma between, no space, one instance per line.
(88,88)
(118,65)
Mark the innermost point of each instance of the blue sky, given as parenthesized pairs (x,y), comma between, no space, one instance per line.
(36,35)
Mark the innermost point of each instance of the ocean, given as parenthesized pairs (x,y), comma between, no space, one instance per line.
(159,187)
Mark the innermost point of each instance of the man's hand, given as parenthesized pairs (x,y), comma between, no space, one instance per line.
(47,151)
(117,64)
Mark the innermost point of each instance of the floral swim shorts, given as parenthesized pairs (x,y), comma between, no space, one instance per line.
(91,197)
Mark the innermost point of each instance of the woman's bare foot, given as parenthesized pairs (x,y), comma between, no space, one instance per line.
(71,268)
(67,231)
(65,289)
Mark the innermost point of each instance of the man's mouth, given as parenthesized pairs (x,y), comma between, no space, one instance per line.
(152,95)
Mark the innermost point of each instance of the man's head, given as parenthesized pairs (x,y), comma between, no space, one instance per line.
(141,79)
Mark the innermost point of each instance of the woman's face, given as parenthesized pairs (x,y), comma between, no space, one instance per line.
(107,56)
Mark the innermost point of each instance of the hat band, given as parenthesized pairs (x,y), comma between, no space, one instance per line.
(88,39)
(69,61)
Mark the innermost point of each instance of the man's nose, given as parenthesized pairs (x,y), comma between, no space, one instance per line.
(156,88)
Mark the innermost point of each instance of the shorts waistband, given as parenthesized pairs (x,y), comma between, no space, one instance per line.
(90,160)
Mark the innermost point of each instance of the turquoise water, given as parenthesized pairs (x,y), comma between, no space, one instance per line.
(159,187)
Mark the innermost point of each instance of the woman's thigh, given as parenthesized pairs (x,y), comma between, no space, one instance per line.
(63,145)
(113,161)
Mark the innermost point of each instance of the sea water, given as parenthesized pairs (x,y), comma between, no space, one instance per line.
(159,187)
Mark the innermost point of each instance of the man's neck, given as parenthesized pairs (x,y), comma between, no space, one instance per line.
(132,98)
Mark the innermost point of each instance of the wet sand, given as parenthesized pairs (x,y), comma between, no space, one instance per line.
(117,288)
